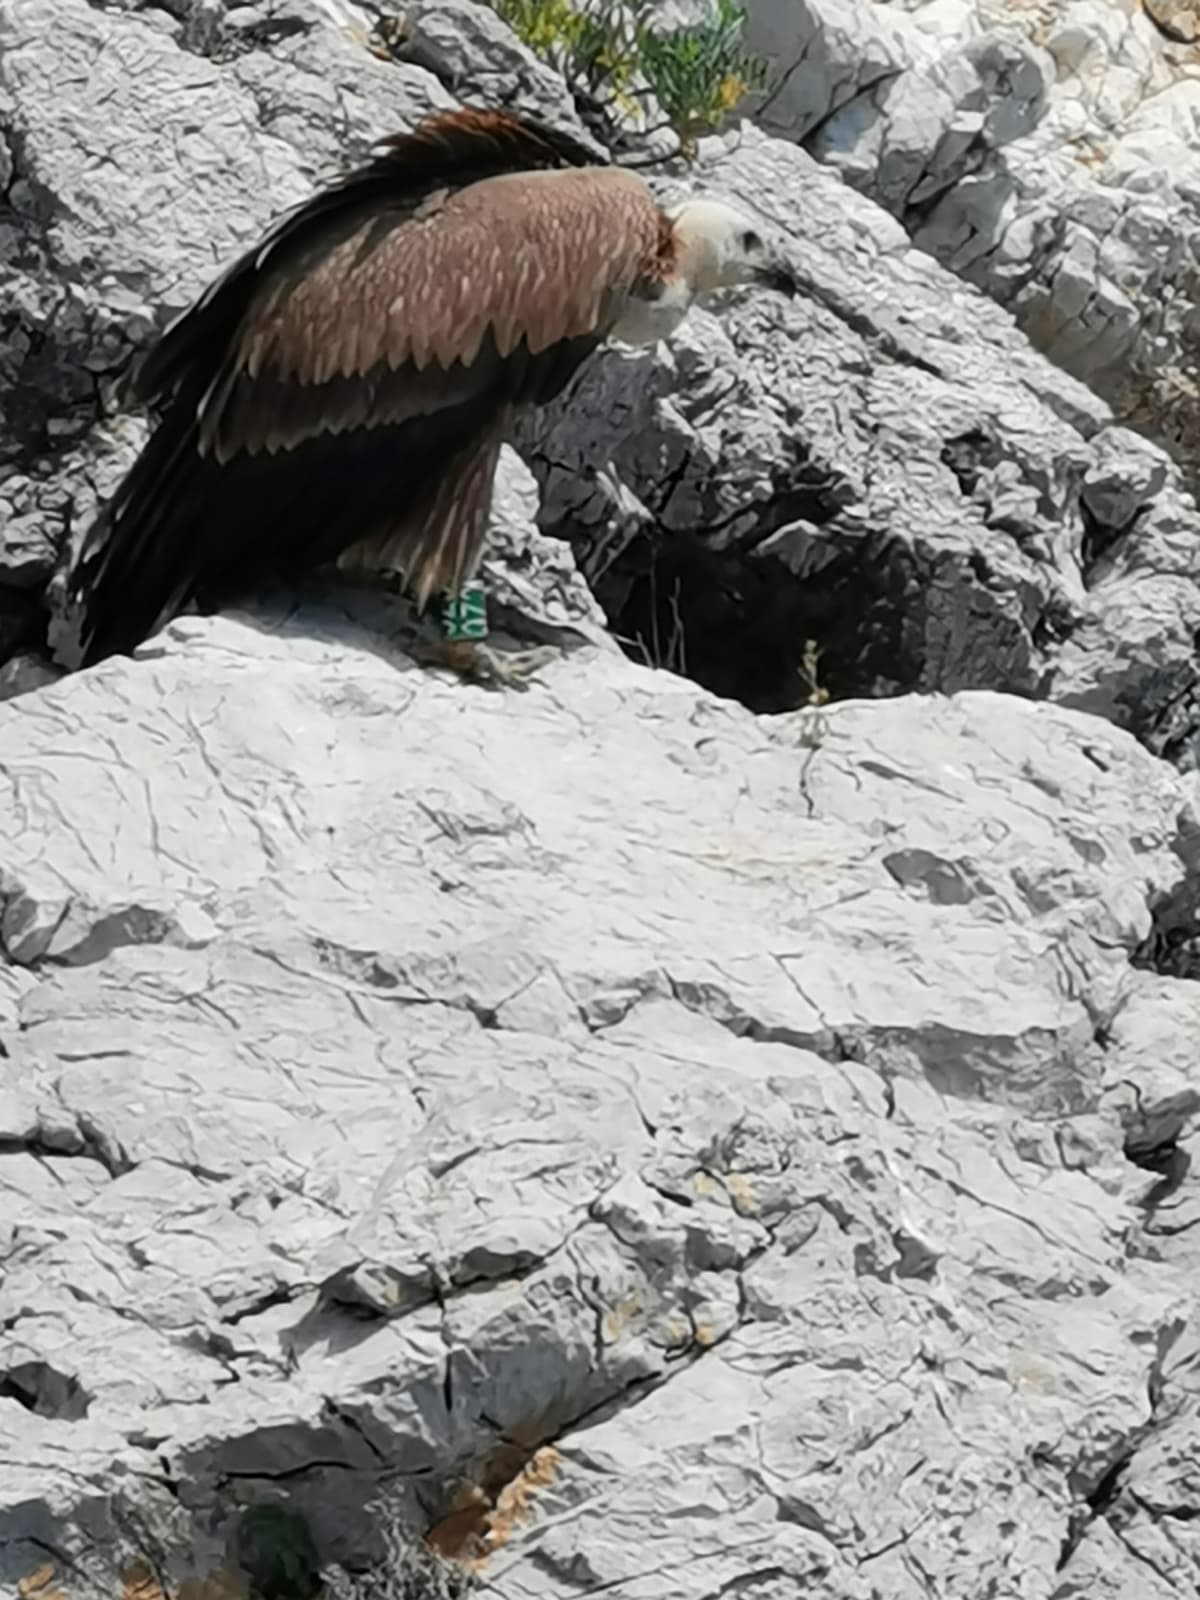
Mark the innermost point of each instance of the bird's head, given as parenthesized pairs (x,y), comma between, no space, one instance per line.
(720,247)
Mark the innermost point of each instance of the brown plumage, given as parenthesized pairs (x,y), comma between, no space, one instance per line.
(342,391)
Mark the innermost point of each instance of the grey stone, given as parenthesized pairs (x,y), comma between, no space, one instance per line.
(1047,153)
(529,577)
(890,425)
(479,60)
(21,673)
(1154,1027)
(724,1135)
(822,55)
(1126,479)
(723,1099)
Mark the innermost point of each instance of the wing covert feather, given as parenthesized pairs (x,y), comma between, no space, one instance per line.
(378,326)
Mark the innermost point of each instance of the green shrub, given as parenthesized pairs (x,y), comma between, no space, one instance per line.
(698,74)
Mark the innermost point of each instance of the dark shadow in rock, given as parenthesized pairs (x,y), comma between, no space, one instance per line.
(970,455)
(1172,1162)
(22,621)
(47,1393)
(1172,947)
(745,626)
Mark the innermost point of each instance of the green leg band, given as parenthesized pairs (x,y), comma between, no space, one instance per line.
(464,615)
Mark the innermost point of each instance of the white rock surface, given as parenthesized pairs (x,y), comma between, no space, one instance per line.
(476,56)
(391,1068)
(1047,152)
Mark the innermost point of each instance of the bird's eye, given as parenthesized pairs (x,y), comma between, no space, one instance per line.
(750,240)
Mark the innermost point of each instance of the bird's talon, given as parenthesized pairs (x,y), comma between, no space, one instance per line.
(479,663)
(518,668)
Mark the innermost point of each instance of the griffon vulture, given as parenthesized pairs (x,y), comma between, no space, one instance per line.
(341,392)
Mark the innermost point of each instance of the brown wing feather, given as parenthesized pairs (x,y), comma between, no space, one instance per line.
(447,150)
(393,324)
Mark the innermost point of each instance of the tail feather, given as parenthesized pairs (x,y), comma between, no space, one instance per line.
(126,580)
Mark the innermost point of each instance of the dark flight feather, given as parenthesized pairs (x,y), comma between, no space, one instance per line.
(342,390)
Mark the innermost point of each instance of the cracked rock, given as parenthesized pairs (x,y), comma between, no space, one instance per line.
(876,489)
(880,479)
(803,1164)
(1045,152)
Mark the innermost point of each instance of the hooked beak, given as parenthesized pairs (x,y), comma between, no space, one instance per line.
(779,276)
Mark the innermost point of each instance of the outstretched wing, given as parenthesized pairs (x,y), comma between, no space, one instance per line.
(345,387)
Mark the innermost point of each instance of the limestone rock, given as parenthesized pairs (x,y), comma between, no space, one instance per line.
(712,1105)
(478,59)
(21,673)
(1046,152)
(883,474)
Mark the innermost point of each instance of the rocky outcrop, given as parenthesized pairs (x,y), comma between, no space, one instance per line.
(883,470)
(1044,152)
(883,478)
(711,1123)
(653,1146)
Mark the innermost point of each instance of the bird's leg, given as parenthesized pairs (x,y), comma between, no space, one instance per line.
(462,649)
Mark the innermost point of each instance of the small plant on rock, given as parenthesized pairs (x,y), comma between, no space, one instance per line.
(698,73)
(810,674)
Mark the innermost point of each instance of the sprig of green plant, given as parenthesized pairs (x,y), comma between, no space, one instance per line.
(548,27)
(698,74)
